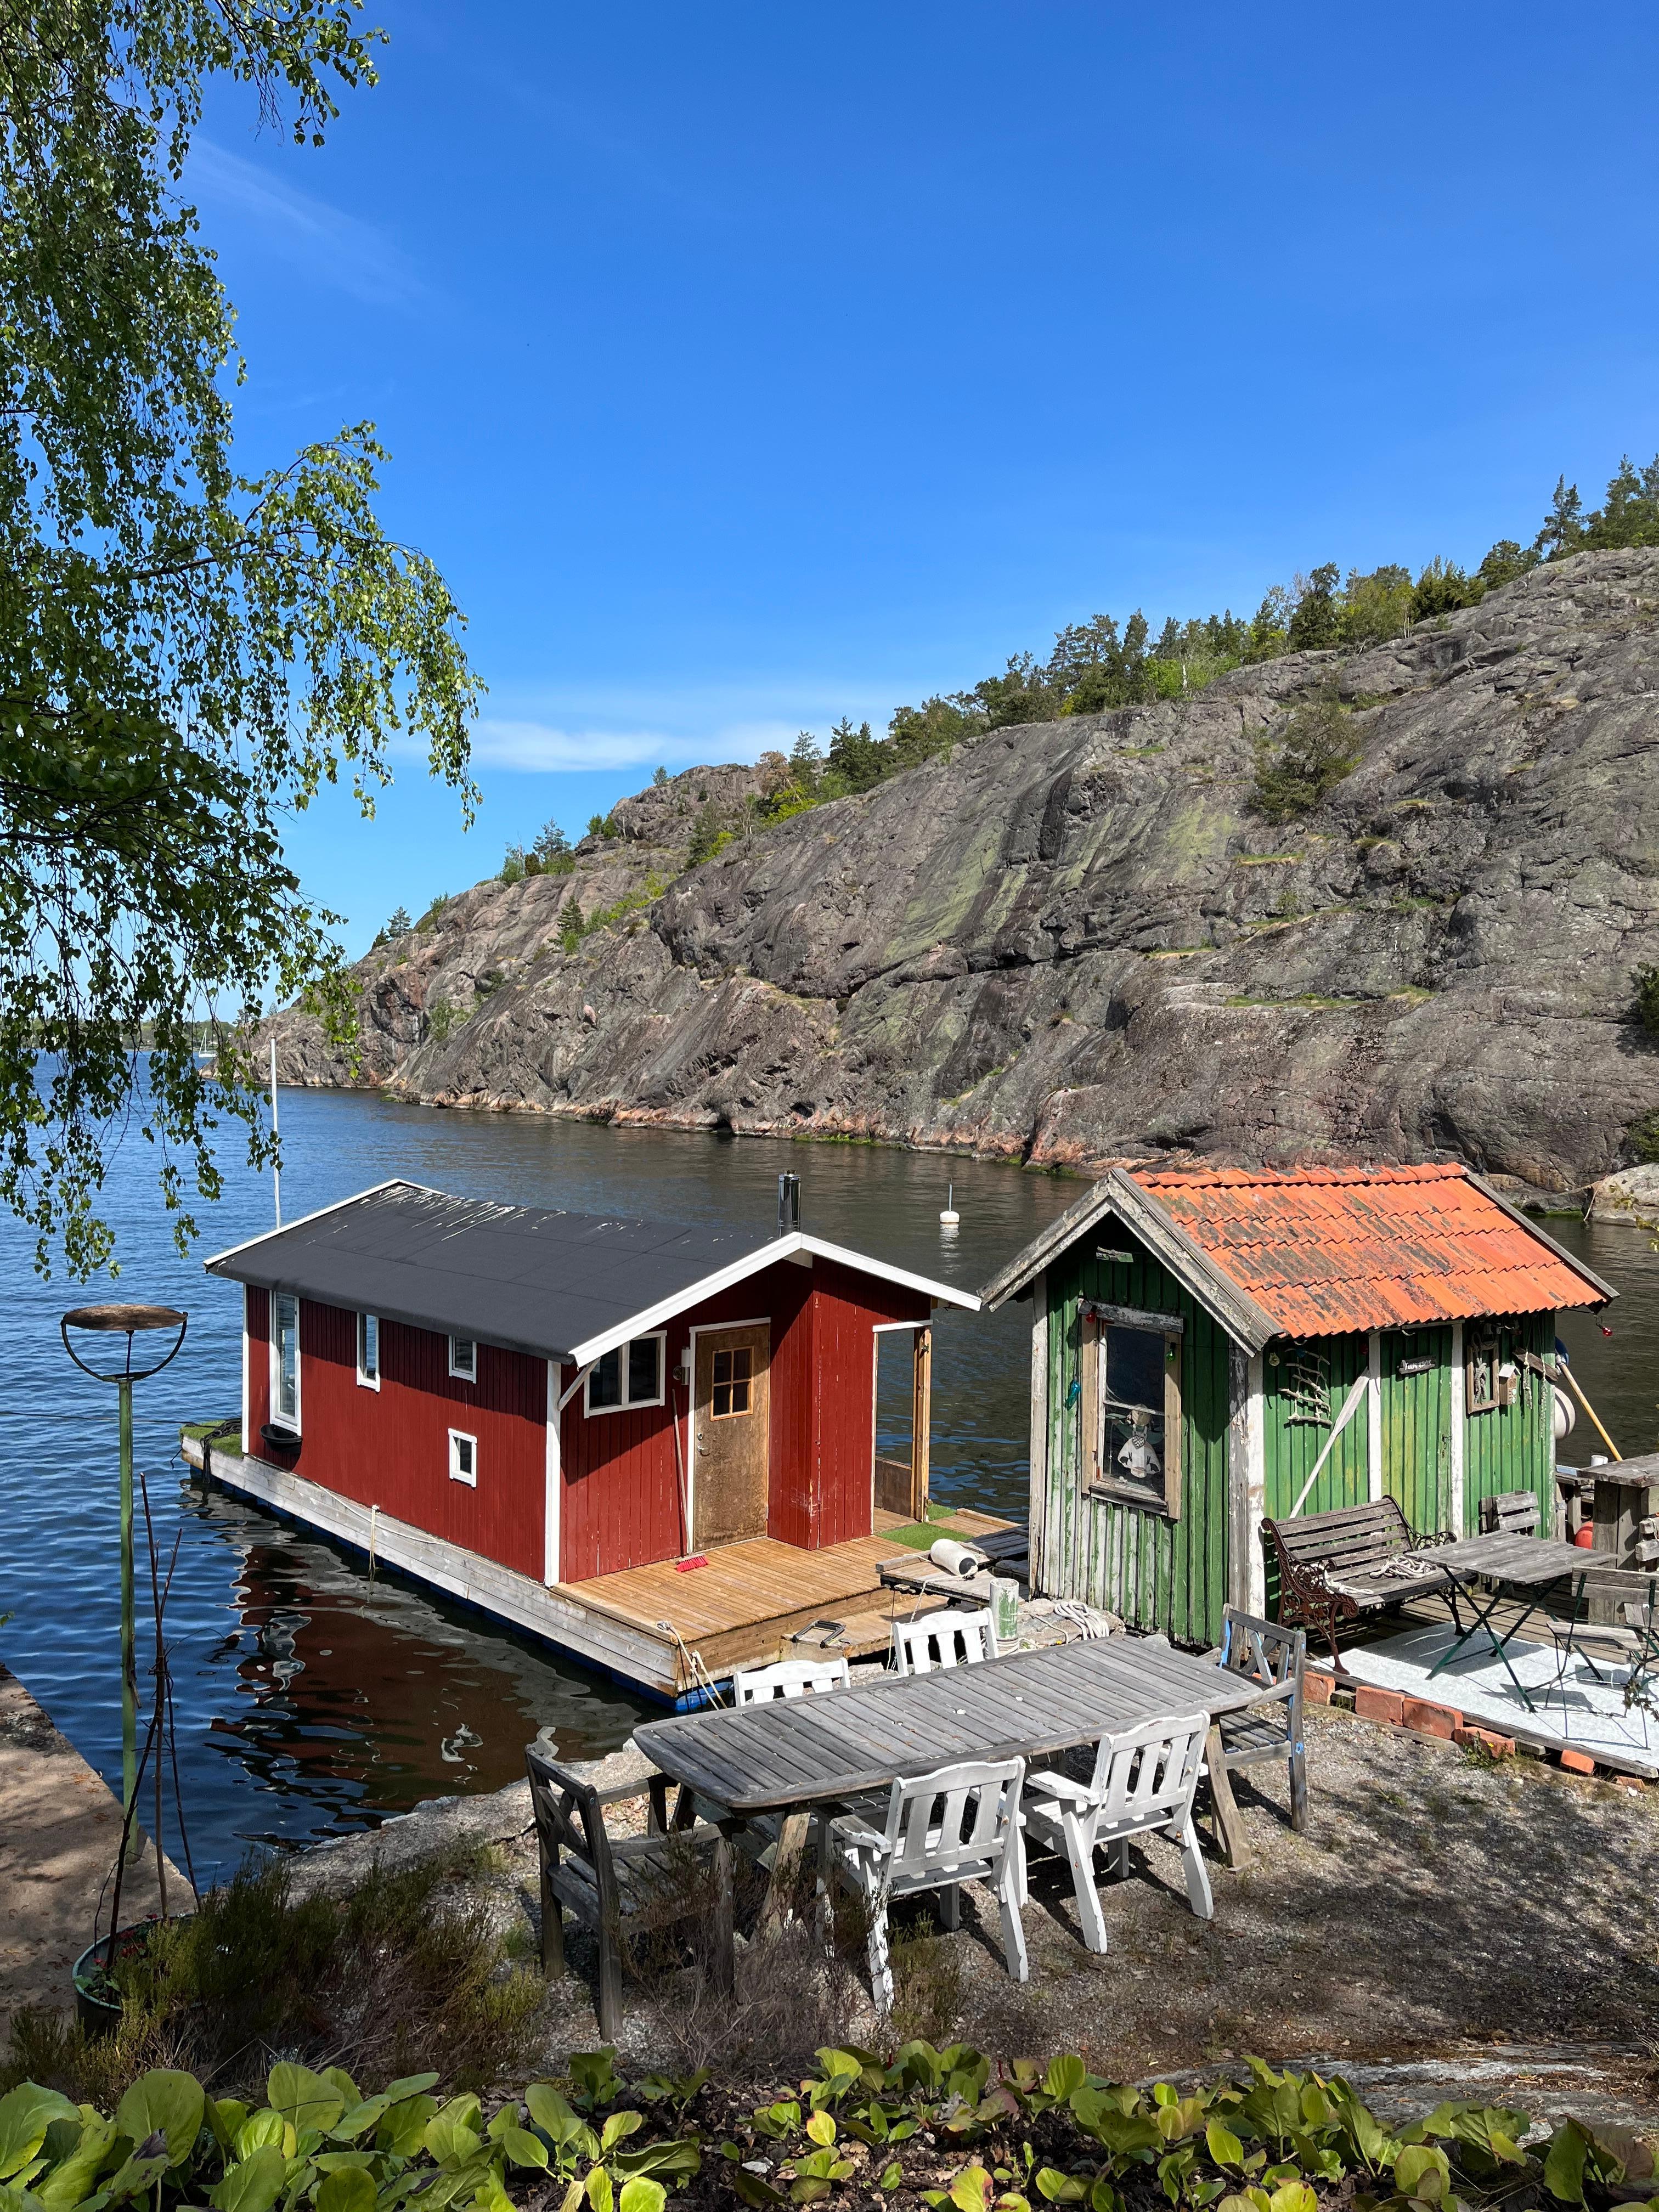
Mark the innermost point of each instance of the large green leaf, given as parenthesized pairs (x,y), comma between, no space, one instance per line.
(641,2195)
(347,2189)
(524,2148)
(1564,2162)
(253,2184)
(167,2102)
(258,2130)
(26,2113)
(70,2181)
(304,2098)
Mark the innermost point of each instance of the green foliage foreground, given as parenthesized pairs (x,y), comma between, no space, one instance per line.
(941,2127)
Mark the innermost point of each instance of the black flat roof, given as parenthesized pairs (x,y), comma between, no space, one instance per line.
(532,1278)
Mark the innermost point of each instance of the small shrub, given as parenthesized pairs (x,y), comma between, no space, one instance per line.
(1643,1141)
(659,779)
(603,825)
(515,867)
(400,1975)
(433,911)
(707,837)
(1645,981)
(929,1984)
(439,1021)
(1312,757)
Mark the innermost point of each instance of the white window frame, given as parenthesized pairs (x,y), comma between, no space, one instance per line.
(278,1418)
(592,1412)
(457,1437)
(463,1374)
(366,1381)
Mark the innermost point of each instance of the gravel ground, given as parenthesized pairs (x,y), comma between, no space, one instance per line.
(1442,1924)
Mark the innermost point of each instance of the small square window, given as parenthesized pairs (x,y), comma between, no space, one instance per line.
(369,1351)
(733,1382)
(464,1459)
(463,1358)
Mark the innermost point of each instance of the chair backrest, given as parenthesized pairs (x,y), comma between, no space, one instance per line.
(956,1816)
(1261,1649)
(790,1678)
(568,1815)
(1513,1512)
(943,1640)
(1147,1777)
(1351,1538)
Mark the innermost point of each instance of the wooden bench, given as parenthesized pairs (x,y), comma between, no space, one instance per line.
(1336,1566)
(1511,1513)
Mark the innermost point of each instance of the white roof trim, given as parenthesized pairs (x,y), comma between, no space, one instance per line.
(391,1182)
(753,1263)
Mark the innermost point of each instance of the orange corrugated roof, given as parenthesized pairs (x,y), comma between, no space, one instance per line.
(1327,1250)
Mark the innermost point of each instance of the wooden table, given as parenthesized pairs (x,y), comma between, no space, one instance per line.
(1508,1561)
(794,1755)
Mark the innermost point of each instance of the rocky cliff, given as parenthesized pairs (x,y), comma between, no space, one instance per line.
(1076,940)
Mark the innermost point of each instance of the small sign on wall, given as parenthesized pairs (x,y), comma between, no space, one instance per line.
(1413,1367)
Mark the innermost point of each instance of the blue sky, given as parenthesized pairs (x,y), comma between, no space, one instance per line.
(746,366)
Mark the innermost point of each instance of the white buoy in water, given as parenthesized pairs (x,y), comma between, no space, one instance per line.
(949,1219)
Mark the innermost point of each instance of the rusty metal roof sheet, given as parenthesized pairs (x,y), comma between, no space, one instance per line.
(1323,1250)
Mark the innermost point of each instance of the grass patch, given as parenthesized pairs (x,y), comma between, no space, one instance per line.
(1302,998)
(1265,860)
(401,1975)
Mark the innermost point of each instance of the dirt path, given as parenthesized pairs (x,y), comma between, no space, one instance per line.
(59,1832)
(1443,1928)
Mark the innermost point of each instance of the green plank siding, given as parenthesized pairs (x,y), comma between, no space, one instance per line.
(1417,1427)
(1513,1447)
(1293,1446)
(1157,1573)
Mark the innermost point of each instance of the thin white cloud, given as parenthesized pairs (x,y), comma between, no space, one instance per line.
(335,248)
(543,748)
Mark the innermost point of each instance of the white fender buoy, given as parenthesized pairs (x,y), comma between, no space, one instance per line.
(949,1219)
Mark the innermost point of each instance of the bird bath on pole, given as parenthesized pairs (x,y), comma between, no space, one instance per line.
(130,1320)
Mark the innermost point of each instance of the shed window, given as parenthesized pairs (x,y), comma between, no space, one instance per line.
(464,1459)
(1131,1406)
(628,1374)
(463,1358)
(369,1351)
(285,1357)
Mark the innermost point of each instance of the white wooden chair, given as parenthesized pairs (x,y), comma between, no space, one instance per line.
(1143,1783)
(943,1640)
(790,1678)
(958,1823)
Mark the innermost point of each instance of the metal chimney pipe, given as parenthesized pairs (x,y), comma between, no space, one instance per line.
(788,1204)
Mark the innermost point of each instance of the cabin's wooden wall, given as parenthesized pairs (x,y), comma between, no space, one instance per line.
(258,1366)
(390,1447)
(1513,1447)
(829,1500)
(1157,1572)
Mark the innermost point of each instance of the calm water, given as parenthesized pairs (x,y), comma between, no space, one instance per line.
(311,1701)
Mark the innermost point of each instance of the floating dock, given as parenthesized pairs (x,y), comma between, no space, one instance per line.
(669,1629)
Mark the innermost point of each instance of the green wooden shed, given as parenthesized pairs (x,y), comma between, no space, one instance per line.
(1213,1348)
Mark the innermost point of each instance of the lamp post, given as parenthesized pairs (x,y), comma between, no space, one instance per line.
(130,1320)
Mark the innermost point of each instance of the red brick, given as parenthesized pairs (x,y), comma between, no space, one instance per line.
(1577,1762)
(1630,1781)
(1487,1740)
(1373,1704)
(1429,1719)
(1316,1687)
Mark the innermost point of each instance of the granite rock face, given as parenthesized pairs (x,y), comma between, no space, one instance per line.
(1076,940)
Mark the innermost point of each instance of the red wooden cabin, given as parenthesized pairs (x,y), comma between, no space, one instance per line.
(562,1396)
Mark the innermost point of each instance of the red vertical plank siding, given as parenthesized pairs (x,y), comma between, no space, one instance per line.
(258,1366)
(390,1447)
(847,1306)
(620,1497)
(620,1489)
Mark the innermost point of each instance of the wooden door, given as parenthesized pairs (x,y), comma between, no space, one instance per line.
(733,1423)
